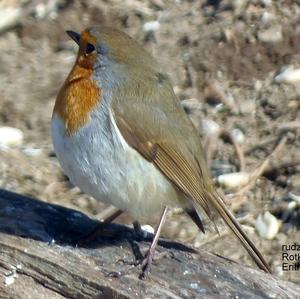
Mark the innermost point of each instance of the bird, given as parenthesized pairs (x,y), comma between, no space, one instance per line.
(122,136)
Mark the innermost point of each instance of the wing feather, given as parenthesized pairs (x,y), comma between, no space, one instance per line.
(181,160)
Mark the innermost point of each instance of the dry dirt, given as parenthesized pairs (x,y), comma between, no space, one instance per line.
(222,57)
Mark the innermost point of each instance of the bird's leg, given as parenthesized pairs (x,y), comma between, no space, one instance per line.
(109,214)
(146,262)
(137,227)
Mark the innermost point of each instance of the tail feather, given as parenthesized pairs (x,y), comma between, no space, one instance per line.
(218,203)
(196,218)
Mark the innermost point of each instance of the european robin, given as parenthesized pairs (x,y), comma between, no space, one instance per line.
(121,136)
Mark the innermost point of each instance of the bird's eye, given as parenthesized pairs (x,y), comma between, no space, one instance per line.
(89,48)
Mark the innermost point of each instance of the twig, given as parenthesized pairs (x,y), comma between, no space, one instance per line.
(237,147)
(287,126)
(106,213)
(261,145)
(239,197)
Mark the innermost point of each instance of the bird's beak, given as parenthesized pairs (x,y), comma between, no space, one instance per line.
(74,35)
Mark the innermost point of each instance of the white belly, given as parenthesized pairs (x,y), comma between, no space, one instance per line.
(99,161)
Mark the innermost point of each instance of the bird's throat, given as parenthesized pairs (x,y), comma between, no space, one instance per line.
(77,98)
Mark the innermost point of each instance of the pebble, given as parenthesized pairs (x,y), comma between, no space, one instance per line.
(9,17)
(267,2)
(267,18)
(233,180)
(294,197)
(10,278)
(147,228)
(191,105)
(248,107)
(221,167)
(210,127)
(238,136)
(267,225)
(10,137)
(292,205)
(270,35)
(32,152)
(151,26)
(258,85)
(288,75)
(42,10)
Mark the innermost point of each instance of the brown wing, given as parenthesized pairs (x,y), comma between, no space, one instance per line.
(174,147)
(169,161)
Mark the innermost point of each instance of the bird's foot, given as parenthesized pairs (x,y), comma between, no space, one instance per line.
(145,263)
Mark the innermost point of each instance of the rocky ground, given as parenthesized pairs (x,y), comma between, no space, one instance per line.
(234,65)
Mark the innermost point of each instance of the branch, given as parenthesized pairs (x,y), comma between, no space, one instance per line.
(34,266)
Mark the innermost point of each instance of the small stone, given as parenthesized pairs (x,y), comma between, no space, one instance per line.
(267,17)
(248,107)
(191,105)
(238,136)
(10,278)
(258,85)
(10,137)
(147,228)
(267,2)
(292,205)
(288,75)
(177,211)
(233,180)
(9,17)
(270,35)
(221,167)
(32,152)
(210,127)
(295,197)
(267,225)
(40,10)
(151,26)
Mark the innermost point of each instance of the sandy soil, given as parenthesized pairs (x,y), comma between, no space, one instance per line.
(222,57)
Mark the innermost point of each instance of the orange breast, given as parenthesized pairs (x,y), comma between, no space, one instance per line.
(77,98)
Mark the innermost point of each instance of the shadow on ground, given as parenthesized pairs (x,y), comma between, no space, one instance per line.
(32,218)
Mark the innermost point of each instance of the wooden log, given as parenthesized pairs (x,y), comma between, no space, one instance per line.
(38,259)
